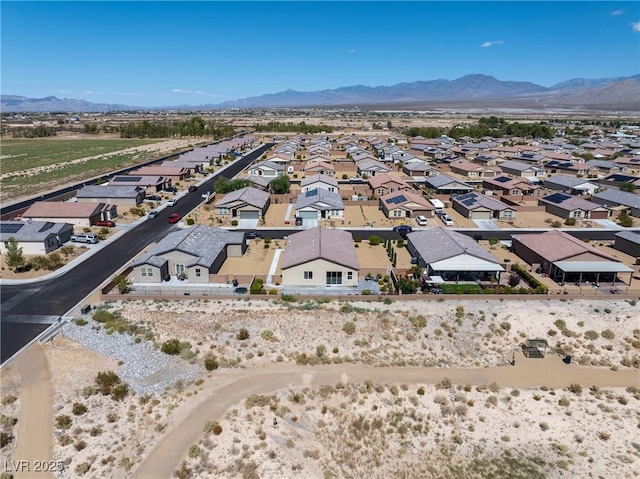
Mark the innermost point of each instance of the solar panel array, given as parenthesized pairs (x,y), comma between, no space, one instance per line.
(129,178)
(10,228)
(502,179)
(557,198)
(396,199)
(467,199)
(313,192)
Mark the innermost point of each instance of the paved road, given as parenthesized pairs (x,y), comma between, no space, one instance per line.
(27,310)
(228,388)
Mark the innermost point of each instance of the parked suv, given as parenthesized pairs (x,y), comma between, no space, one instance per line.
(403,229)
(84,238)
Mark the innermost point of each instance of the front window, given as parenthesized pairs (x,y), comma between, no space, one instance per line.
(179,269)
(308,275)
(397,213)
(349,275)
(334,277)
(146,272)
(198,273)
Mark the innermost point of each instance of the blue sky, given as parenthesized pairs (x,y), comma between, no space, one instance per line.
(153,53)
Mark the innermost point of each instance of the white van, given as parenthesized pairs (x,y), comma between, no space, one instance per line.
(421,221)
(437,204)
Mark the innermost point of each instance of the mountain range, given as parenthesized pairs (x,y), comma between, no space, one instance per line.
(620,94)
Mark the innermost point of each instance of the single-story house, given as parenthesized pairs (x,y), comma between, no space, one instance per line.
(266,168)
(192,254)
(567,206)
(318,167)
(34,237)
(607,166)
(156,183)
(405,204)
(628,242)
(384,184)
(245,203)
(319,203)
(617,198)
(116,195)
(76,213)
(576,168)
(281,158)
(565,258)
(452,256)
(473,170)
(445,184)
(617,179)
(174,173)
(419,168)
(569,184)
(477,206)
(319,181)
(512,186)
(523,170)
(320,257)
(371,168)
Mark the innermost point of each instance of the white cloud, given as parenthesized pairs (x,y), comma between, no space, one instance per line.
(187,92)
(636,26)
(489,44)
(616,13)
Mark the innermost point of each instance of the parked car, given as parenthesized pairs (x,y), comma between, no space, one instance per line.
(153,214)
(84,238)
(241,290)
(252,235)
(154,198)
(171,189)
(109,224)
(447,220)
(421,220)
(174,217)
(193,188)
(172,202)
(403,229)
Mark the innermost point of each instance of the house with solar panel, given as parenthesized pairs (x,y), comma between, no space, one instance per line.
(191,254)
(405,204)
(569,184)
(615,180)
(567,206)
(477,206)
(567,259)
(319,204)
(618,200)
(34,237)
(447,185)
(447,255)
(505,185)
(245,203)
(320,257)
(575,168)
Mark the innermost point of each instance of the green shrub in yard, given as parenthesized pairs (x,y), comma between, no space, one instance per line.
(106,381)
(374,240)
(190,221)
(538,287)
(257,286)
(570,222)
(102,316)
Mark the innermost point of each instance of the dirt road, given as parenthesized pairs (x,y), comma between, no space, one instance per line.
(34,441)
(216,399)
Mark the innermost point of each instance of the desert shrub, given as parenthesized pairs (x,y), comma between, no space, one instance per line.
(210,362)
(288,298)
(78,409)
(349,327)
(420,391)
(8,399)
(80,321)
(119,392)
(106,381)
(591,335)
(608,334)
(80,445)
(570,222)
(82,468)
(194,451)
(5,439)
(102,315)
(243,334)
(514,280)
(374,240)
(63,421)
(268,335)
(171,347)
(575,388)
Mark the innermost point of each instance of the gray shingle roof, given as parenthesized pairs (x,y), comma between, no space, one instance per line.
(31,231)
(319,177)
(320,243)
(437,244)
(108,191)
(442,180)
(319,199)
(251,196)
(565,180)
(619,197)
(205,243)
(629,236)
(474,200)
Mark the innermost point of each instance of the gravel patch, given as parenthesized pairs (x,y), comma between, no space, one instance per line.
(146,369)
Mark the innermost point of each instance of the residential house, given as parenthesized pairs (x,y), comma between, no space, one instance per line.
(314,167)
(564,258)
(174,173)
(452,256)
(383,184)
(477,206)
(152,183)
(473,170)
(608,167)
(419,168)
(371,168)
(620,200)
(321,257)
(191,254)
(319,204)
(569,184)
(628,242)
(617,179)
(245,203)
(405,204)
(512,186)
(34,237)
(522,170)
(567,206)
(116,195)
(73,212)
(571,168)
(266,168)
(319,181)
(445,184)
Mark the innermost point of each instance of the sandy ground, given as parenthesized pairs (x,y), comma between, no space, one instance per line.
(333,389)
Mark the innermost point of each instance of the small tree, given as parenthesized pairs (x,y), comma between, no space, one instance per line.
(625,220)
(123,284)
(280,185)
(14,256)
(514,280)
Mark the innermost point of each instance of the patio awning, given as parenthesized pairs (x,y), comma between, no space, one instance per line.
(592,267)
(465,262)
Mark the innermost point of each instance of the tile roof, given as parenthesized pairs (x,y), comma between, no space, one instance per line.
(205,243)
(329,244)
(308,180)
(63,209)
(437,244)
(565,180)
(569,203)
(384,178)
(557,245)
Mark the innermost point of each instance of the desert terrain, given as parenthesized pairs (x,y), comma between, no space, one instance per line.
(318,388)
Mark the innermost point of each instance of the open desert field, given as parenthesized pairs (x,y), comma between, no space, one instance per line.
(268,388)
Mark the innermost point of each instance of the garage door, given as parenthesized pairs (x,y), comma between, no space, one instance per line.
(481,215)
(249,215)
(311,215)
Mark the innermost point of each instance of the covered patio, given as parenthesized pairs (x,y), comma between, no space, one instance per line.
(589,272)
